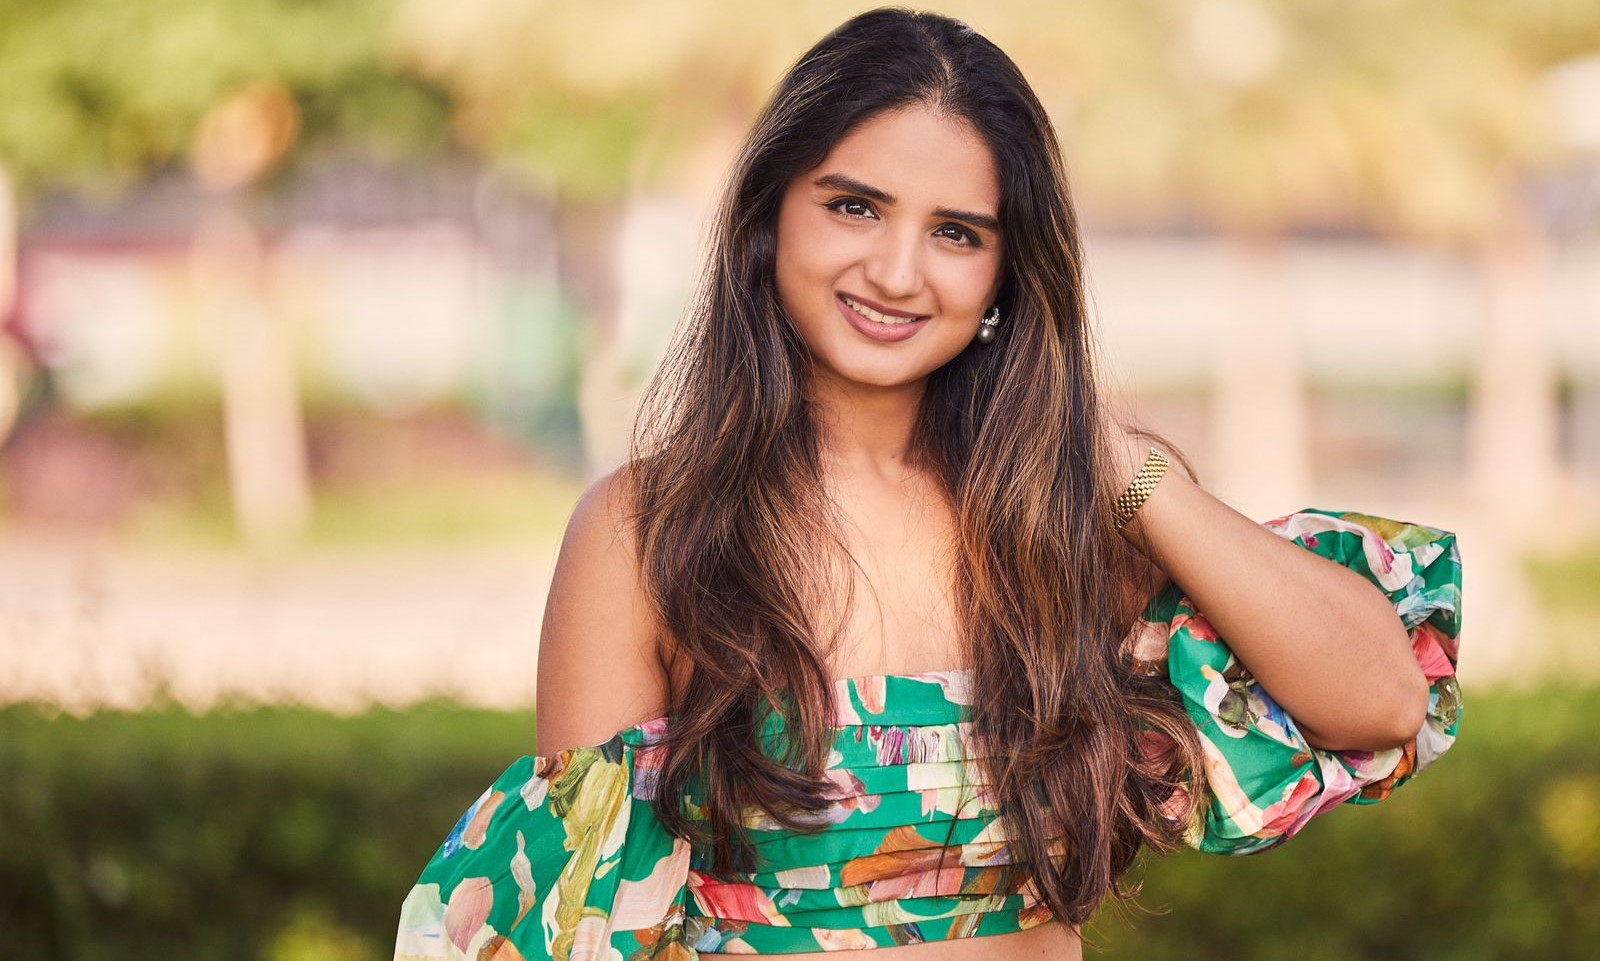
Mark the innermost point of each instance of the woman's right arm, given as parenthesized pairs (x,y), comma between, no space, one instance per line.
(597,667)
(559,855)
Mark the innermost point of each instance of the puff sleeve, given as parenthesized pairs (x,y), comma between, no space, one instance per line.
(561,857)
(1263,781)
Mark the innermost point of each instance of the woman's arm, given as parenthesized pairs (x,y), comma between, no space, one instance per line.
(1324,641)
(597,667)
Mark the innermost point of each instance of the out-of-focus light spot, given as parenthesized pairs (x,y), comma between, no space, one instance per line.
(246,135)
(1574,92)
(1569,813)
(1235,43)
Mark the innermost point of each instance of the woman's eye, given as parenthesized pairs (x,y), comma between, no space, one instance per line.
(838,206)
(958,232)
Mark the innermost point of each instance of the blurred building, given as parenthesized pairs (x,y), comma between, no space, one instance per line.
(398,289)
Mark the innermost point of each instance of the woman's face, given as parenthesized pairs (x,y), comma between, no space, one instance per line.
(901,218)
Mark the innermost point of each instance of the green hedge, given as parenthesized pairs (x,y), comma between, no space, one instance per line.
(285,835)
(274,834)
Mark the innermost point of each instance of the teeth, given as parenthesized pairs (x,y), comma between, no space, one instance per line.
(871,314)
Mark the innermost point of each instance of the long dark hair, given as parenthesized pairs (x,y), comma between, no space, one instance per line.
(740,547)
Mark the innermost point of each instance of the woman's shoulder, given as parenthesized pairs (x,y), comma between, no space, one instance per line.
(598,669)
(607,504)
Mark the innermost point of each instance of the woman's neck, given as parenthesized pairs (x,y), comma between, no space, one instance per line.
(866,432)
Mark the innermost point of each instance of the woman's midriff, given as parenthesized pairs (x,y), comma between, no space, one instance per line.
(1050,941)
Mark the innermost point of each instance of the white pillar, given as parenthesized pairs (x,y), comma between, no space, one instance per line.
(268,475)
(1514,418)
(1260,458)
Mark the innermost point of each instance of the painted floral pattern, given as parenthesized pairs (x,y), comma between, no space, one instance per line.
(563,858)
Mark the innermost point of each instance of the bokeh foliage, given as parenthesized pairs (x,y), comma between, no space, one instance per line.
(1411,117)
(103,95)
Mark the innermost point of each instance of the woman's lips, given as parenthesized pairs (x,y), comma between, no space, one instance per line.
(887,333)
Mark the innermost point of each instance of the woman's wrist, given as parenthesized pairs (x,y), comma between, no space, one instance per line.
(1140,468)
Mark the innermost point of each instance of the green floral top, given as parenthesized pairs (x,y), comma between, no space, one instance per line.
(562,856)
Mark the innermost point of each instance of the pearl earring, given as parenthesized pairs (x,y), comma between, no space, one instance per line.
(987,326)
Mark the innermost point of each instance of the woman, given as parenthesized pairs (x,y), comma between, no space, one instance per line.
(884,390)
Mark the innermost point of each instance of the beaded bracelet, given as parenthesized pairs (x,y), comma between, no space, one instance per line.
(1144,482)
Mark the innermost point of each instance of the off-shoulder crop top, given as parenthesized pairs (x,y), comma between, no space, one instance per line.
(563,856)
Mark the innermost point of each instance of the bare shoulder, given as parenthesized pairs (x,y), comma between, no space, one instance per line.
(598,672)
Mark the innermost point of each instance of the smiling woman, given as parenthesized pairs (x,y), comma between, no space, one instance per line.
(886,387)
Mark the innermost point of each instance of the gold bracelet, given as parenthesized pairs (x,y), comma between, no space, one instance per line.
(1144,482)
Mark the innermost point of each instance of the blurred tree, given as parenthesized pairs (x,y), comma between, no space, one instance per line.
(101,96)
(238,142)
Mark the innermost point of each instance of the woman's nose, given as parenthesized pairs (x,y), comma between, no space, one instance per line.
(895,264)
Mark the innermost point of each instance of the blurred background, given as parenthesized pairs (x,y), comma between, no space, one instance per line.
(316,318)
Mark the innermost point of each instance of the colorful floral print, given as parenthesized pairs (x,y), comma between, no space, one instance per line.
(563,858)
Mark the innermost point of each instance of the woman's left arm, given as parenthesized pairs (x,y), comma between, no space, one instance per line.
(1325,641)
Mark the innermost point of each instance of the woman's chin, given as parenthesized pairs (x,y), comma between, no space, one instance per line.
(868,378)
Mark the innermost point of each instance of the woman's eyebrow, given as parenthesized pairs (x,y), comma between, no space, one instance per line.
(852,185)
